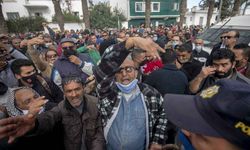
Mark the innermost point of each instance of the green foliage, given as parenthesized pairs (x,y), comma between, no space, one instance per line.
(25,24)
(68,17)
(226,9)
(102,17)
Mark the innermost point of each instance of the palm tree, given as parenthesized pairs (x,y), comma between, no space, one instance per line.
(147,13)
(182,10)
(58,14)
(236,8)
(86,14)
(210,11)
(3,24)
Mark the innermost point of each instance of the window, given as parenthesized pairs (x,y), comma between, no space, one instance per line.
(201,21)
(12,15)
(139,6)
(76,13)
(38,14)
(155,6)
(176,6)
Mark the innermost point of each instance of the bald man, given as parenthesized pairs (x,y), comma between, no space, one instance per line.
(198,52)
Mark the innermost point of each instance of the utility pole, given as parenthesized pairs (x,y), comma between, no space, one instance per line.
(219,16)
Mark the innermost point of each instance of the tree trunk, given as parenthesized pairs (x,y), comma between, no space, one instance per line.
(236,8)
(3,25)
(182,10)
(85,11)
(210,11)
(147,13)
(245,8)
(58,14)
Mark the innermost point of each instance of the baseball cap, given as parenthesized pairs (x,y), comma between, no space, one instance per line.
(71,40)
(222,110)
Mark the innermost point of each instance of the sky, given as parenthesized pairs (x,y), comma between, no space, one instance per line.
(190,3)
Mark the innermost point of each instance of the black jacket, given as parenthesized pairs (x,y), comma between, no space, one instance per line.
(168,79)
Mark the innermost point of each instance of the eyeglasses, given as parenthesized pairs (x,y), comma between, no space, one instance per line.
(68,48)
(226,37)
(127,69)
(52,56)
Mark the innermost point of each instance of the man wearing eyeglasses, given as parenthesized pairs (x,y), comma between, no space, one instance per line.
(132,112)
(228,40)
(71,62)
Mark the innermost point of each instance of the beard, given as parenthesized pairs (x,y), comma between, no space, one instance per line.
(221,75)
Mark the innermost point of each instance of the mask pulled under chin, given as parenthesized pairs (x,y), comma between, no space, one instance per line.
(225,75)
(127,88)
(25,112)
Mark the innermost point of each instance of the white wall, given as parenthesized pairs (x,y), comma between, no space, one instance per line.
(196,14)
(47,8)
(16,6)
(68,26)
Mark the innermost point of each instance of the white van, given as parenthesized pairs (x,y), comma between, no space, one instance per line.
(211,36)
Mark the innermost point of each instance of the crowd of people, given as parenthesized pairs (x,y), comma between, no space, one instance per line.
(131,89)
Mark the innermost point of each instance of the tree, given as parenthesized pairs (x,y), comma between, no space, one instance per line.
(3,25)
(25,24)
(236,8)
(182,10)
(147,13)
(102,17)
(86,14)
(58,14)
(210,11)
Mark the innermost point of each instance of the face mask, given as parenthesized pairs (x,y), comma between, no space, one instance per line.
(198,48)
(69,52)
(155,38)
(24,48)
(174,44)
(225,75)
(127,88)
(30,79)
(47,45)
(25,112)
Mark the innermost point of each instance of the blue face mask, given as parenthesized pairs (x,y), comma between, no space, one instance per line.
(127,88)
(174,44)
(185,141)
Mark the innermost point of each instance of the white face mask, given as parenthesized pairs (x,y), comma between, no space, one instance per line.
(25,112)
(155,38)
(198,48)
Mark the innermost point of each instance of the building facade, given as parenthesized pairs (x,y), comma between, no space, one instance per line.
(163,12)
(45,8)
(199,16)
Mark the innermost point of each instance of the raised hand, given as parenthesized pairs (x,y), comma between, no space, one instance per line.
(8,126)
(36,105)
(206,71)
(23,125)
(74,59)
(148,45)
